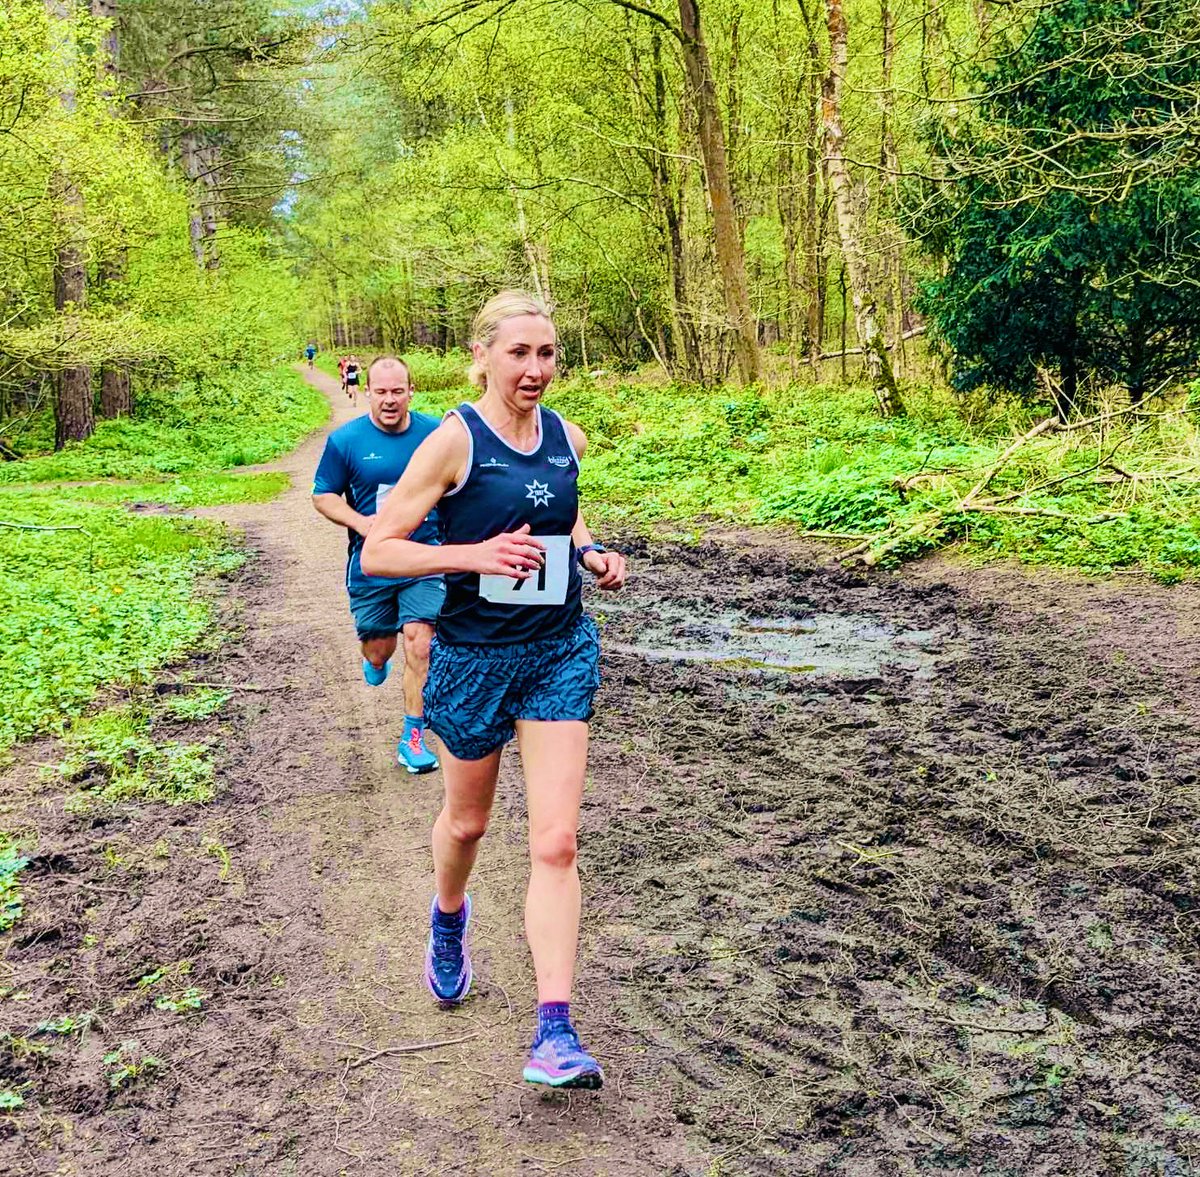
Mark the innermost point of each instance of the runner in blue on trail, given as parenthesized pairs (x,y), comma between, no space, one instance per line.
(361,465)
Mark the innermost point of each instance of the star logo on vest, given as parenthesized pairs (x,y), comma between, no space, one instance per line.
(540,492)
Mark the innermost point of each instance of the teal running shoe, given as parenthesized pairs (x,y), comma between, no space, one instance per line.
(375,678)
(411,752)
(447,959)
(558,1060)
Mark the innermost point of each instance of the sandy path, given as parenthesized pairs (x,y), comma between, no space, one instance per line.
(454,1107)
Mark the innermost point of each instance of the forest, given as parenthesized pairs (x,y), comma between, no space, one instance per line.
(882,318)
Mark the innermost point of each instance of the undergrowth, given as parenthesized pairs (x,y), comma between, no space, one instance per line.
(240,419)
(114,757)
(820,458)
(113,600)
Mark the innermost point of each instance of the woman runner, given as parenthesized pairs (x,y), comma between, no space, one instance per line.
(513,651)
(350,378)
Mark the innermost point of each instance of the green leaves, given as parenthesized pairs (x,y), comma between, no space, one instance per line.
(12,904)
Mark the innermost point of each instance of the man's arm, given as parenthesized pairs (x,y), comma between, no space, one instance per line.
(337,510)
(330,484)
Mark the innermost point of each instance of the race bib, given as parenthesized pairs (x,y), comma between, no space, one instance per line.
(382,490)
(547,585)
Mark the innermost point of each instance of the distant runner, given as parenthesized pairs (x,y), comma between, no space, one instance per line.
(342,361)
(310,352)
(361,464)
(353,369)
(514,653)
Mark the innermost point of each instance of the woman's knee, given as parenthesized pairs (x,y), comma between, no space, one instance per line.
(556,847)
(465,828)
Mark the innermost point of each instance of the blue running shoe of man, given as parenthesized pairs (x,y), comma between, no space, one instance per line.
(558,1059)
(412,753)
(447,960)
(375,678)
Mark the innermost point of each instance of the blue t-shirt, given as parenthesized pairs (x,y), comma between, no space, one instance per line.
(364,462)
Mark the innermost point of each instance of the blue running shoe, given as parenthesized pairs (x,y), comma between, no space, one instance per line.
(447,960)
(558,1060)
(412,753)
(375,678)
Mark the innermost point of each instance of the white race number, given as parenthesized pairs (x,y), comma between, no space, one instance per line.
(546,586)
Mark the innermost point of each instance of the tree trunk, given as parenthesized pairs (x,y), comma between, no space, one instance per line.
(866,321)
(785,196)
(889,161)
(668,196)
(190,159)
(814,277)
(537,273)
(727,235)
(74,413)
(116,398)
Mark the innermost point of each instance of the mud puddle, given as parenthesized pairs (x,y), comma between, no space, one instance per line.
(816,643)
(928,912)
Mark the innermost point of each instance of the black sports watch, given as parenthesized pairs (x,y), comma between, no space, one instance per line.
(581,552)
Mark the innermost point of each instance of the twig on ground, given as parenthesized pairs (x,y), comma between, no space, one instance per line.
(411,1048)
(997,1029)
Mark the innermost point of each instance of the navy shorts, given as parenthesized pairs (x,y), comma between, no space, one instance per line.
(475,694)
(382,609)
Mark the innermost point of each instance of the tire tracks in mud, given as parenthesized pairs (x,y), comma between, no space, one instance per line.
(925,919)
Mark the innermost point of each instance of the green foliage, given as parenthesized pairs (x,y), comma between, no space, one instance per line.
(129,1063)
(201,703)
(185,1001)
(820,458)
(117,596)
(78,609)
(433,371)
(12,901)
(11,1099)
(240,419)
(1065,251)
(115,758)
(66,1024)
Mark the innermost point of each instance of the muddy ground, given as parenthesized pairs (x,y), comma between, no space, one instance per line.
(884,875)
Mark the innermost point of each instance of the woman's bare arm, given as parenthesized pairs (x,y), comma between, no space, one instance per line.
(439,464)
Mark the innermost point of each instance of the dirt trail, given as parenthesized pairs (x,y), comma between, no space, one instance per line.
(886,876)
(454,1107)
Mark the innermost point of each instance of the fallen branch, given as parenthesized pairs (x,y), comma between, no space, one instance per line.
(1049,512)
(411,1048)
(997,1029)
(41,527)
(848,535)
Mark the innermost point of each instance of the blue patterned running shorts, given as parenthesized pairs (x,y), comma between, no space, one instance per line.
(475,694)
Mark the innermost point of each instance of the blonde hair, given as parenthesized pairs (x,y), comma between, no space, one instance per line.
(508,304)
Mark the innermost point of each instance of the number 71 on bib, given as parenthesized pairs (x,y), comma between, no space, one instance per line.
(545,586)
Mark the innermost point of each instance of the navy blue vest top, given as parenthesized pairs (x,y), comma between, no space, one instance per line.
(503,489)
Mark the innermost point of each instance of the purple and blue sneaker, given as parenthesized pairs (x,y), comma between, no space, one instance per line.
(558,1060)
(447,960)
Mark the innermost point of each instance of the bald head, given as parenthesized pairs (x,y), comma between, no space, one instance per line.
(393,371)
(389,391)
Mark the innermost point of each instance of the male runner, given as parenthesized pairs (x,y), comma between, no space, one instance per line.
(361,463)
(310,353)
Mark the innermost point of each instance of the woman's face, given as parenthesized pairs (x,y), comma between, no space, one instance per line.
(520,361)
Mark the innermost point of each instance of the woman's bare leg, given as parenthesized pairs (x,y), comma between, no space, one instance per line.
(554,756)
